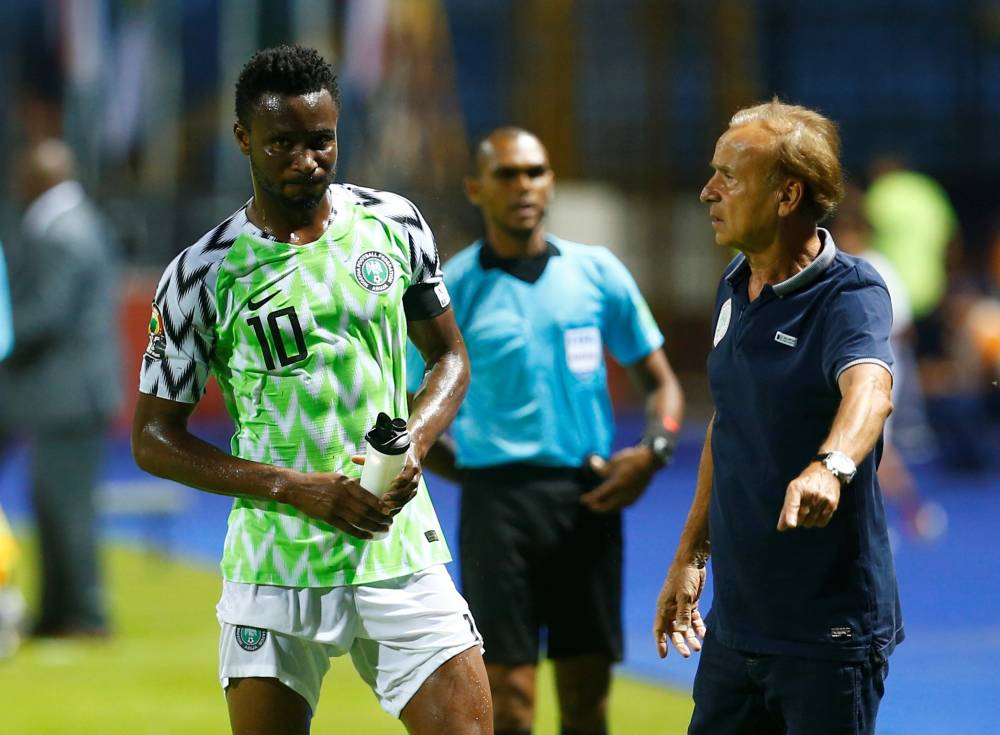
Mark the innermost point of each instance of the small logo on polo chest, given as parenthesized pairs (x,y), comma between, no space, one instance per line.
(722,325)
(786,339)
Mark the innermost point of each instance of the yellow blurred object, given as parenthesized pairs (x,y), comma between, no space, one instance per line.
(8,550)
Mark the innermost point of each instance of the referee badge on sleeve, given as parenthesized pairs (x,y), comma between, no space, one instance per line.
(156,348)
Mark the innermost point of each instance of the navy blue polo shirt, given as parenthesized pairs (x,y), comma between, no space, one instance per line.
(816,592)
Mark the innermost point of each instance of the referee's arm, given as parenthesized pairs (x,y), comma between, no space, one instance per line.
(629,471)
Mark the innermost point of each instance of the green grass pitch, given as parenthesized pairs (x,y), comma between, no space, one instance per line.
(157,675)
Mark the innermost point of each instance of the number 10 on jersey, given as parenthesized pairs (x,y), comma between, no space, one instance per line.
(277,337)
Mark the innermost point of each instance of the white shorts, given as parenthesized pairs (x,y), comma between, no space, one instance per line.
(398,632)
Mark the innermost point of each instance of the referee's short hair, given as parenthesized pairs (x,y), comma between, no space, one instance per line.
(292,70)
(807,146)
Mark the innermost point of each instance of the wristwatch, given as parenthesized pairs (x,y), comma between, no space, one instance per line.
(842,466)
(661,446)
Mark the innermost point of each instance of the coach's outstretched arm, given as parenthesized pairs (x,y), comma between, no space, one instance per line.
(677,615)
(812,498)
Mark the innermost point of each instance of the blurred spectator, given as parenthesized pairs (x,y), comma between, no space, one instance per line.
(980,323)
(912,225)
(961,383)
(61,384)
(922,519)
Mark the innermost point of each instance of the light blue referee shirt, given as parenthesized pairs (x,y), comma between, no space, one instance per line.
(6,318)
(536,330)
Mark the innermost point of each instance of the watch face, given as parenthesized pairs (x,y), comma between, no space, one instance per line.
(840,465)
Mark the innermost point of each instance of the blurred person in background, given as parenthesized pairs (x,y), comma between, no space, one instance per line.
(541,527)
(787,502)
(922,519)
(60,386)
(969,373)
(913,224)
(300,304)
(981,324)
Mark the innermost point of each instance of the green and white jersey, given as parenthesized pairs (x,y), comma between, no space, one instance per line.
(308,344)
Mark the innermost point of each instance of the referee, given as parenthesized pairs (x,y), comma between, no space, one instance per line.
(806,609)
(541,534)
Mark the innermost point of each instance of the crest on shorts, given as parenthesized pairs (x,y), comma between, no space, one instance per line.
(250,639)
(374,271)
(156,348)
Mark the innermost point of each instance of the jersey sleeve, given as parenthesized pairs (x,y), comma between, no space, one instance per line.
(176,363)
(856,330)
(427,295)
(629,330)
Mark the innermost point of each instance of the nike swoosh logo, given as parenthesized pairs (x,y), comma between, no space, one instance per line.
(254,305)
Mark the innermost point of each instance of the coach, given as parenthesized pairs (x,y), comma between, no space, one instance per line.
(806,608)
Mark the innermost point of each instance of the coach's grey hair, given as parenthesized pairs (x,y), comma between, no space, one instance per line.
(807,146)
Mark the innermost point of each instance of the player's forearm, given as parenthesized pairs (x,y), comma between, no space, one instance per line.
(175,454)
(865,406)
(694,541)
(437,402)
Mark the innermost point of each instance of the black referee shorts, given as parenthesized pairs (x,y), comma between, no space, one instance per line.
(533,557)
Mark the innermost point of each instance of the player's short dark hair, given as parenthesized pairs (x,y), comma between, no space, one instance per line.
(290,70)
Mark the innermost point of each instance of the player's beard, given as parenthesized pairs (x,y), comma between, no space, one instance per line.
(275,190)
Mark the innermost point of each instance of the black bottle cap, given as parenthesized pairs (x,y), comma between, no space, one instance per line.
(388,436)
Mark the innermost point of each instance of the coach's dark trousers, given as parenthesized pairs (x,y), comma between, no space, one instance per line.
(737,693)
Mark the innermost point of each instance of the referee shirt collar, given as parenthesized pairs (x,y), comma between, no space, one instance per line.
(528,269)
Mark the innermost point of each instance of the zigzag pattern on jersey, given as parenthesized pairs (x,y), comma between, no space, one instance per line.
(311,415)
(184,299)
(425,263)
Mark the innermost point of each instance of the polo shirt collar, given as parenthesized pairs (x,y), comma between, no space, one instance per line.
(527,269)
(828,250)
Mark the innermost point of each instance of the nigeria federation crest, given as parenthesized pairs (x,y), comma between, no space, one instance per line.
(250,639)
(156,347)
(374,271)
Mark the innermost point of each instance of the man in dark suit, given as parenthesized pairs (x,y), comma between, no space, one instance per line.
(61,385)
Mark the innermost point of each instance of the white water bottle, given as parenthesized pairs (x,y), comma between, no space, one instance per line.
(388,443)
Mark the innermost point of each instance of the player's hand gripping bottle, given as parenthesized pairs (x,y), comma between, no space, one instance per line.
(388,443)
